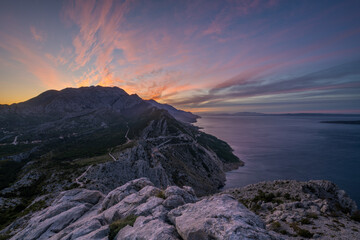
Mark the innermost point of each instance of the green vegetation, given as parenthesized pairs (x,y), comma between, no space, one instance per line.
(356,216)
(8,172)
(312,215)
(256,207)
(266,197)
(4,236)
(9,150)
(116,226)
(287,196)
(37,206)
(94,144)
(221,148)
(161,194)
(72,186)
(82,162)
(27,194)
(300,231)
(244,202)
(9,215)
(275,226)
(305,221)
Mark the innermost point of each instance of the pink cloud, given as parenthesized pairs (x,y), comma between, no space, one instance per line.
(37,35)
(235,9)
(34,62)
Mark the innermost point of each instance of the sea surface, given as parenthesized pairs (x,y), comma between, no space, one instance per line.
(290,147)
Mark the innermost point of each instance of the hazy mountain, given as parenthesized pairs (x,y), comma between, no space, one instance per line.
(282,114)
(235,114)
(178,114)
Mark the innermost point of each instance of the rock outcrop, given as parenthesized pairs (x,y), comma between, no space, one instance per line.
(297,210)
(139,210)
(173,213)
(217,217)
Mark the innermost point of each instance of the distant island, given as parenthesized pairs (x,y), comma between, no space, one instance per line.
(284,114)
(342,122)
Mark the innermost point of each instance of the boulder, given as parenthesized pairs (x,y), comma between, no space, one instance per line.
(217,217)
(67,208)
(147,228)
(120,193)
(187,193)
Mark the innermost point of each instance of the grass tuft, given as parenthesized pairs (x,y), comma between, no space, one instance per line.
(116,226)
(161,194)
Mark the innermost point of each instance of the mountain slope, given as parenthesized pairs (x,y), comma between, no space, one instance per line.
(176,113)
(100,138)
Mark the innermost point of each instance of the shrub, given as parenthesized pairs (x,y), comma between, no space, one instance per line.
(161,195)
(4,237)
(304,233)
(266,197)
(116,226)
(287,196)
(276,226)
(312,215)
(305,221)
(301,232)
(356,216)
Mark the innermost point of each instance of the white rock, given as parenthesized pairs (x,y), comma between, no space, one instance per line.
(217,217)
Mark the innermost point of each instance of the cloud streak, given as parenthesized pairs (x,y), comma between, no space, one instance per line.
(33,62)
(323,80)
(193,54)
(37,35)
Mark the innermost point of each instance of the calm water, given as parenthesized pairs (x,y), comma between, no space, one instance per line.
(290,147)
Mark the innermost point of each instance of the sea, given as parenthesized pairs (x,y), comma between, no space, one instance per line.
(297,147)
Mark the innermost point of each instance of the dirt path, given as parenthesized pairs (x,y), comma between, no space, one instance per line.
(77,180)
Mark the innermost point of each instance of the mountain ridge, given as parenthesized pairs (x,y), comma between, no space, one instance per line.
(100,140)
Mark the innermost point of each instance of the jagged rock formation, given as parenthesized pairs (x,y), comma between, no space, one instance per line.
(298,210)
(160,214)
(139,210)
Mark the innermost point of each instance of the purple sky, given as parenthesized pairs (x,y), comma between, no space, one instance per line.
(217,56)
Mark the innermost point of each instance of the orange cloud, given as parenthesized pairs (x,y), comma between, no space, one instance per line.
(34,62)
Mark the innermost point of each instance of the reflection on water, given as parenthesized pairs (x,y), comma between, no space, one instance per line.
(290,147)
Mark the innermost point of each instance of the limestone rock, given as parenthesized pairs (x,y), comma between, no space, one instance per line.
(186,193)
(69,207)
(174,201)
(120,193)
(219,217)
(149,229)
(293,209)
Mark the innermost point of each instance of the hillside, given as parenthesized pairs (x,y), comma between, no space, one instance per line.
(100,138)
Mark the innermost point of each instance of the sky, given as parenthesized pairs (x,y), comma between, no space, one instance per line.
(270,56)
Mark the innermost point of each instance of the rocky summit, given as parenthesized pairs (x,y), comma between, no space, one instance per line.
(297,210)
(99,138)
(139,210)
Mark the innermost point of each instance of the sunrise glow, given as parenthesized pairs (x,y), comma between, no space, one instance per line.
(263,55)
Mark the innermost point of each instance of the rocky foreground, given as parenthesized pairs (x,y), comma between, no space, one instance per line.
(297,210)
(139,210)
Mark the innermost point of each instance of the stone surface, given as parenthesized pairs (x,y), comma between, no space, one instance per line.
(318,208)
(87,214)
(219,217)
(150,229)
(283,208)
